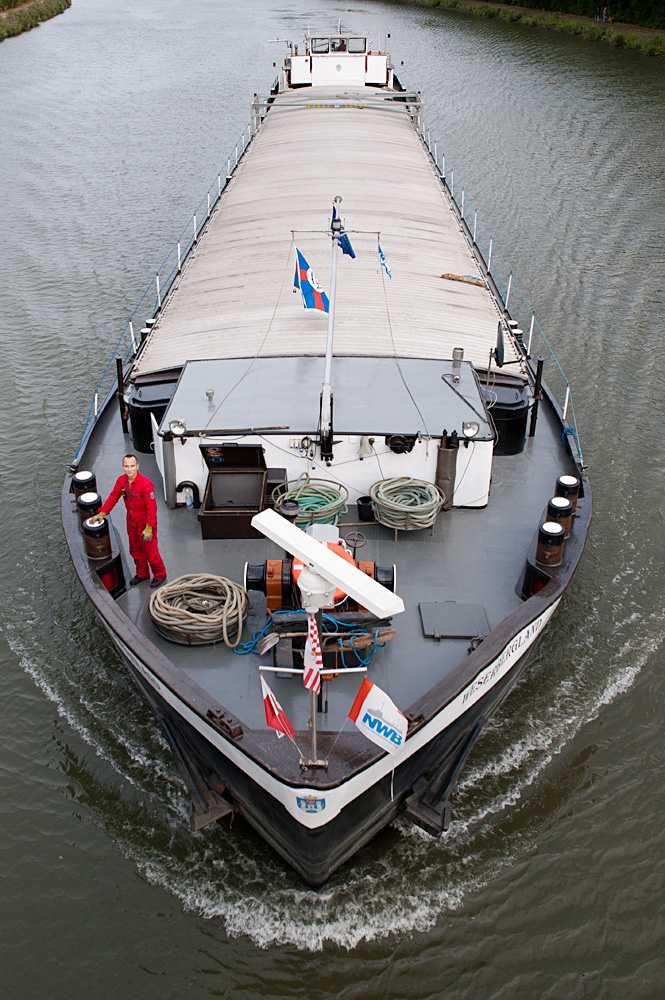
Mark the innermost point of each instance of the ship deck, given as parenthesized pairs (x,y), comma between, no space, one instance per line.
(235,295)
(474,557)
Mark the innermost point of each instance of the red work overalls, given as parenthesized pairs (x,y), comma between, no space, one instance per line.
(141,510)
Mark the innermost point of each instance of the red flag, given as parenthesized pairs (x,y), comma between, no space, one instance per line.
(313,662)
(275,716)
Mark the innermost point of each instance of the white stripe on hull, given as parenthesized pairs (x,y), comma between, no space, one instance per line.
(330,802)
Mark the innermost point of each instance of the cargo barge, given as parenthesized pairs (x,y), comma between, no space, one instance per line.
(369,501)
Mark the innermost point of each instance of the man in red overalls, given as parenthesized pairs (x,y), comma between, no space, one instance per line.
(139,496)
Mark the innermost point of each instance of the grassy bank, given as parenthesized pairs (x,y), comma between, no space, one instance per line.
(621,35)
(18,17)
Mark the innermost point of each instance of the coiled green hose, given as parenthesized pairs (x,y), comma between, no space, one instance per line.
(405,503)
(320,502)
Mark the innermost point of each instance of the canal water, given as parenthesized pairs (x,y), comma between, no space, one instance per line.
(114,120)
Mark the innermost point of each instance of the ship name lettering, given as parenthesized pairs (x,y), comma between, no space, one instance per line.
(524,638)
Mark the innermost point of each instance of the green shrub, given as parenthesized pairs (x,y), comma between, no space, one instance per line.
(646,13)
(18,21)
(653,46)
(640,11)
(594,32)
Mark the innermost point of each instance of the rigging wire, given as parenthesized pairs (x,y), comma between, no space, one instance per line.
(444,379)
(392,340)
(261,345)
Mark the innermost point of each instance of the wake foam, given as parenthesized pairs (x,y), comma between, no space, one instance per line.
(401,884)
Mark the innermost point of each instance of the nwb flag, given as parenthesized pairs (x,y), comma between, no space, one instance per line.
(313,296)
(275,716)
(313,662)
(378,718)
(343,241)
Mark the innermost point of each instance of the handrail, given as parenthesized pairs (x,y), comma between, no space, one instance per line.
(167,275)
(164,282)
(382,102)
(502,277)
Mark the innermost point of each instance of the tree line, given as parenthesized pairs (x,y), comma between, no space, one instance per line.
(645,13)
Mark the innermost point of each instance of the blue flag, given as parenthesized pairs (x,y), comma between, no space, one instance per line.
(343,242)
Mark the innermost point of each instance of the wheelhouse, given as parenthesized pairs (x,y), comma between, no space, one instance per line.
(344,59)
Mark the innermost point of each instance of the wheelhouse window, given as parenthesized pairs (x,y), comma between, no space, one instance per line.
(319,46)
(357,45)
(338,44)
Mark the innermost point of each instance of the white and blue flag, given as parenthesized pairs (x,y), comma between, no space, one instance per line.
(383,261)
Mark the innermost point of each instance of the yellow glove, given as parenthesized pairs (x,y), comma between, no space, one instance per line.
(101,513)
(147,533)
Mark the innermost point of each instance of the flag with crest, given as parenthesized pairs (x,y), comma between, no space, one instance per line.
(313,296)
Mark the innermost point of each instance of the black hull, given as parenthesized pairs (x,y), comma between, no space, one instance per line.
(317,853)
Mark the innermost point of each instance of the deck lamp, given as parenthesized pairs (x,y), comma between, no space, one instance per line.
(470,428)
(178,428)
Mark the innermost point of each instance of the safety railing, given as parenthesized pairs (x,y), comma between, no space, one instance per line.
(164,282)
(518,312)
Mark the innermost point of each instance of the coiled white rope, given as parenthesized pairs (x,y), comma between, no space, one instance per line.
(198,609)
(406,504)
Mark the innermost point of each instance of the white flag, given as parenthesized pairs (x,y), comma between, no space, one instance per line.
(378,718)
(384,265)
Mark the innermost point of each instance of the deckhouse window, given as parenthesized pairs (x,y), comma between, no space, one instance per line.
(338,44)
(319,46)
(356,45)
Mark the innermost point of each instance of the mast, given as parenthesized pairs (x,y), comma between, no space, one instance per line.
(326,390)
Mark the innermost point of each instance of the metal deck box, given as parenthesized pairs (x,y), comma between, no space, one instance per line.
(238,486)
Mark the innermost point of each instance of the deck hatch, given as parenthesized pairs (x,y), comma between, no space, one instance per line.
(450,620)
(371,396)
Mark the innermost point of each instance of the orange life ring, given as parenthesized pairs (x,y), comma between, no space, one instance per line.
(339,550)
